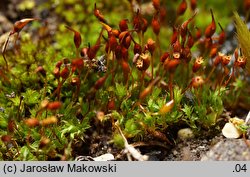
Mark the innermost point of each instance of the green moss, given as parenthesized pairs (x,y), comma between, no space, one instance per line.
(243,36)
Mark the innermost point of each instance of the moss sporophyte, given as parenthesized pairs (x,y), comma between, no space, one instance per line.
(137,78)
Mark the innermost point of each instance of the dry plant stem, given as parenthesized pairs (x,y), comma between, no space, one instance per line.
(152,66)
(184,90)
(45,87)
(85,77)
(113,66)
(198,95)
(127,81)
(230,77)
(210,74)
(158,44)
(170,86)
(223,77)
(77,53)
(58,89)
(19,108)
(129,149)
(15,40)
(143,73)
(141,38)
(150,143)
(3,51)
(135,105)
(89,106)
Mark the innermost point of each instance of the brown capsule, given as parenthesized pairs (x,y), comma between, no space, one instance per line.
(222,35)
(32,122)
(77,63)
(18,25)
(75,81)
(137,48)
(148,89)
(213,51)
(198,33)
(236,53)
(197,64)
(59,63)
(226,59)
(210,30)
(246,5)
(190,40)
(125,70)
(163,14)
(166,107)
(107,28)
(197,82)
(41,70)
(158,135)
(151,45)
(126,43)
(125,53)
(6,138)
(44,104)
(123,35)
(77,37)
(98,15)
(118,52)
(164,57)
(143,62)
(116,32)
(66,61)
(144,25)
(100,82)
(156,4)
(65,73)
(112,43)
(125,67)
(193,4)
(184,26)
(91,52)
(111,104)
(208,43)
(44,142)
(218,59)
(54,105)
(182,8)
(145,92)
(100,115)
(176,55)
(176,46)
(11,126)
(56,72)
(156,25)
(137,21)
(170,65)
(186,54)
(123,25)
(49,121)
(241,62)
(174,36)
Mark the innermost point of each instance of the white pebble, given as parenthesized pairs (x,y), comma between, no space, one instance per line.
(185,133)
(230,131)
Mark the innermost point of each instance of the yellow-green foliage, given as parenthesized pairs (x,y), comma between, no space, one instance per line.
(243,36)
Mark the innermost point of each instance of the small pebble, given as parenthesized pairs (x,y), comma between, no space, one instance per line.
(185,133)
(230,131)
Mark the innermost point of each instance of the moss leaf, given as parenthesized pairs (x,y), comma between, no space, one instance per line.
(243,36)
